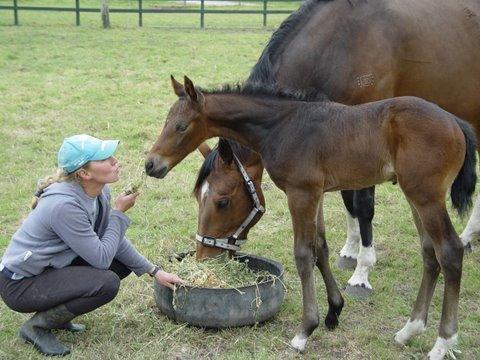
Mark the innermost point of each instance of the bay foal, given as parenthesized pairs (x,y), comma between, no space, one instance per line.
(309,148)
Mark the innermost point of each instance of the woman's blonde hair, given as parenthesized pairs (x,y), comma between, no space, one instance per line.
(58,176)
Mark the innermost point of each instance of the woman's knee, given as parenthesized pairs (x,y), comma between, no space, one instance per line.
(111,284)
(120,269)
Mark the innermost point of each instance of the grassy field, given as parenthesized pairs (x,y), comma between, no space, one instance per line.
(57,80)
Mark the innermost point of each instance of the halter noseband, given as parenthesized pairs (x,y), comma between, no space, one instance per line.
(233,242)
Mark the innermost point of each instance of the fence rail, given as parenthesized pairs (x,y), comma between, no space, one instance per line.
(140,10)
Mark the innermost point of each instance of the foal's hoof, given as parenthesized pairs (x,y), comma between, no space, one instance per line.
(334,311)
(331,320)
(346,263)
(299,342)
(358,291)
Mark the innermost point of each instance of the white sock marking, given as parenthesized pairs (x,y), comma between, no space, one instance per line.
(441,347)
(350,249)
(473,226)
(411,328)
(366,259)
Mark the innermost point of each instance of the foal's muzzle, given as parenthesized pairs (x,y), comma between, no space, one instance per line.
(156,168)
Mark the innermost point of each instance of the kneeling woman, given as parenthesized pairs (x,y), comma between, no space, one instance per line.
(70,253)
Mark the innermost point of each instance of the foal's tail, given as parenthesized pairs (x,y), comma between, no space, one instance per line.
(464,185)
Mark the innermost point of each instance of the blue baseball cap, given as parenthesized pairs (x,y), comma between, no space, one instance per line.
(77,150)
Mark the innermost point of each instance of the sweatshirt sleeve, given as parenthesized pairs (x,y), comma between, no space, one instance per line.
(132,259)
(71,224)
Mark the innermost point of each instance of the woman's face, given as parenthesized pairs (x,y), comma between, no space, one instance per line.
(104,171)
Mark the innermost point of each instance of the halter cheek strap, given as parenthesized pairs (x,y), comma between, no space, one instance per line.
(233,242)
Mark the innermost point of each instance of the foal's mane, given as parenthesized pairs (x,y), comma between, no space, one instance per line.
(262,71)
(264,91)
(257,90)
(210,162)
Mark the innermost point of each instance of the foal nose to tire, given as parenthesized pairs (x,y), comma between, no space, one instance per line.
(149,166)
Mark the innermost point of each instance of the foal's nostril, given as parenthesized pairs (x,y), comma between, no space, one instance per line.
(163,171)
(148,166)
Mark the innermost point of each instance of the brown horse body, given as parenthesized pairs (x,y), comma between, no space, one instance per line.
(357,51)
(360,51)
(309,148)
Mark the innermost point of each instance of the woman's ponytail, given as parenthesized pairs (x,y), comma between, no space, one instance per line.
(59,176)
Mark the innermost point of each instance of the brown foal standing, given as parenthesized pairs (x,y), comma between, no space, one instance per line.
(309,148)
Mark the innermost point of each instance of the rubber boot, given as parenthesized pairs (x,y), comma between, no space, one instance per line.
(69,326)
(37,330)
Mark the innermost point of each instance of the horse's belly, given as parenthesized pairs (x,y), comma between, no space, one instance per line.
(355,178)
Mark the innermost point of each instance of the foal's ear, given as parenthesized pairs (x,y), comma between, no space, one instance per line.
(225,151)
(204,149)
(195,95)
(177,87)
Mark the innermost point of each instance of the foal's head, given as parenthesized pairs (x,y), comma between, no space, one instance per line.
(223,199)
(183,132)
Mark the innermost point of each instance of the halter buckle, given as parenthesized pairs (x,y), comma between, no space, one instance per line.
(212,241)
(251,187)
(232,240)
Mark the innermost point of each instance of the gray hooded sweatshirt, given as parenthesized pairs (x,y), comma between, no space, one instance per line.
(61,228)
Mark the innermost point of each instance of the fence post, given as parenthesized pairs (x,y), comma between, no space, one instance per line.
(15,12)
(140,13)
(202,14)
(264,13)
(105,14)
(77,11)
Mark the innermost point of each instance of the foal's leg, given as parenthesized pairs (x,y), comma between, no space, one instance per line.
(358,284)
(347,259)
(431,268)
(334,297)
(303,209)
(449,253)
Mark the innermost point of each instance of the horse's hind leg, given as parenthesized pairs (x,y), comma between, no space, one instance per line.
(431,268)
(358,284)
(334,297)
(347,259)
(449,253)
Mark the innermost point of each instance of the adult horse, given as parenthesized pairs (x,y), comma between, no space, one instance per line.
(407,140)
(357,51)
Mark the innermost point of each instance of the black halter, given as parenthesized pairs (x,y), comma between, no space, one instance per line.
(233,242)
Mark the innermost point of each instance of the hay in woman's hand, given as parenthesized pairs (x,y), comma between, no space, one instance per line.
(132,188)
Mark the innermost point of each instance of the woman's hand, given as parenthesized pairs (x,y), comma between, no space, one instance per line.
(125,202)
(167,279)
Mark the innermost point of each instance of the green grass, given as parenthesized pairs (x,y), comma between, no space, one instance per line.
(56,81)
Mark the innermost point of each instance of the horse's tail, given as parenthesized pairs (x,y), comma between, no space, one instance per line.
(464,185)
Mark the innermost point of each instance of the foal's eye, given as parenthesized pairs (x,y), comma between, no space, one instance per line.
(223,203)
(182,128)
